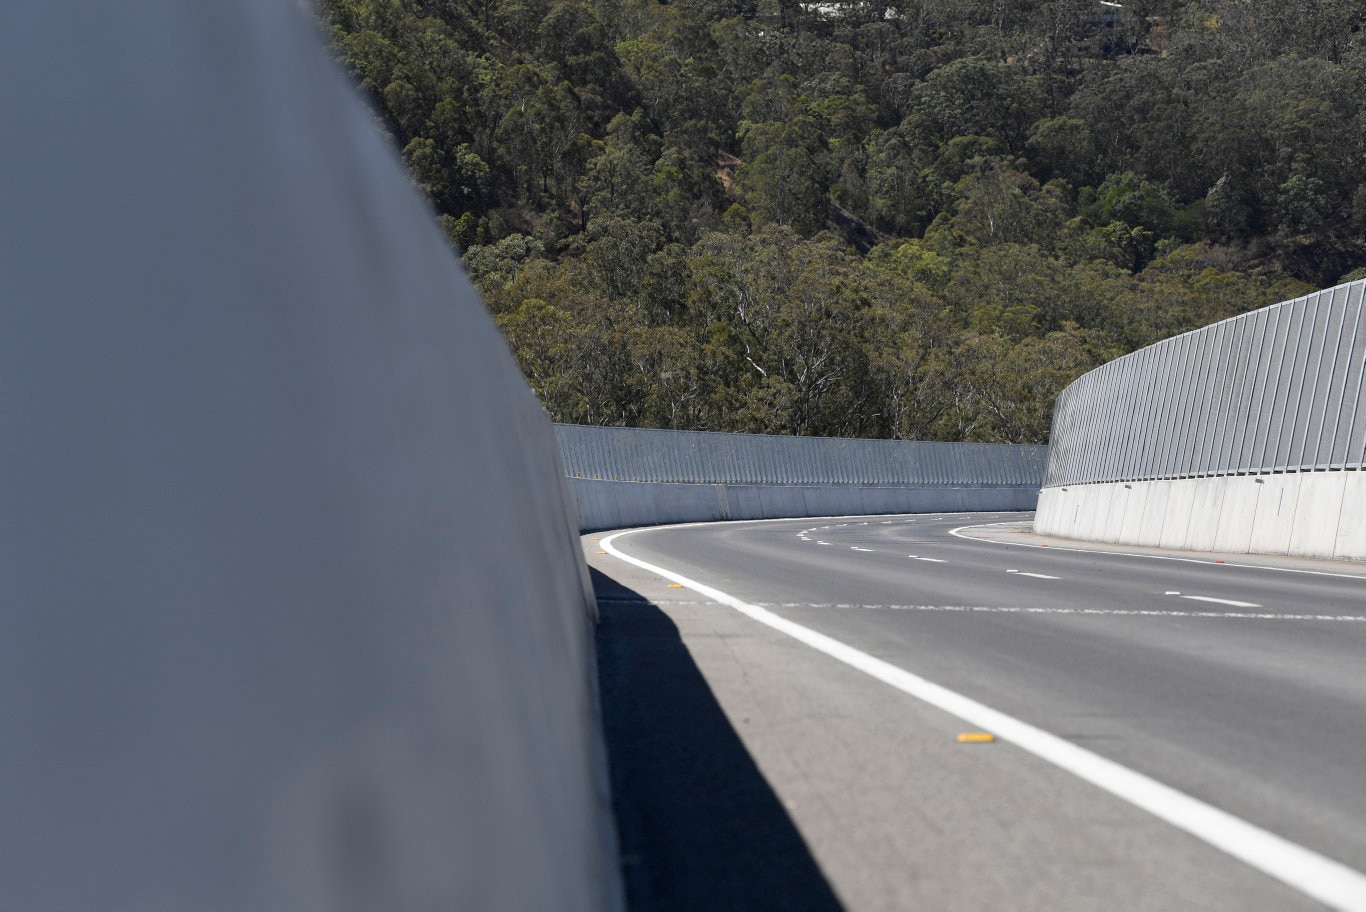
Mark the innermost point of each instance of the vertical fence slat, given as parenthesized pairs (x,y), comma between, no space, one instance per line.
(1275,390)
(704,457)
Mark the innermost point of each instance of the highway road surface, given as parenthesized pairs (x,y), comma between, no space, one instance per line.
(947,712)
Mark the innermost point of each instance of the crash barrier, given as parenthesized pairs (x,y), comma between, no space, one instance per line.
(1247,435)
(295,612)
(627,476)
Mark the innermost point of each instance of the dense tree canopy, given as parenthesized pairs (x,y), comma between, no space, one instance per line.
(909,218)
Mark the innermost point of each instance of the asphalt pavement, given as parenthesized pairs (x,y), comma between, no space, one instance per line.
(753,771)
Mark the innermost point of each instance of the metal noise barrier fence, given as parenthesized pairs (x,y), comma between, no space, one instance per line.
(1276,390)
(701,457)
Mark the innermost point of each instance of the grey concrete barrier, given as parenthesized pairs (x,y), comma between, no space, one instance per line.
(623,477)
(1309,514)
(621,504)
(1245,436)
(708,457)
(293,613)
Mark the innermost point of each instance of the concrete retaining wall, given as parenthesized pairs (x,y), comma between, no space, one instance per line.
(1310,514)
(294,611)
(1245,436)
(620,504)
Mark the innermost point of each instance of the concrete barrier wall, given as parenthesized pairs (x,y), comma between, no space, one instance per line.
(1248,435)
(621,504)
(635,476)
(707,457)
(1310,514)
(294,611)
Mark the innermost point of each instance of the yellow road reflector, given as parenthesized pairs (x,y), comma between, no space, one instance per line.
(602,552)
(976,738)
(675,585)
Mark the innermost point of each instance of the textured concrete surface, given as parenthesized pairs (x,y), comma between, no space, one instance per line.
(1309,514)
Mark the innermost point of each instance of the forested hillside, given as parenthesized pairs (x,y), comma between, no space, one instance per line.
(901,218)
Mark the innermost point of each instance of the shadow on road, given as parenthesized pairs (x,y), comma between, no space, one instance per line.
(700,827)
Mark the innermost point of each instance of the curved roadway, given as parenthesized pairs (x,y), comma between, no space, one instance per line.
(1236,685)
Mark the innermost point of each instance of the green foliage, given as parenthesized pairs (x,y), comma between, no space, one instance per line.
(914,220)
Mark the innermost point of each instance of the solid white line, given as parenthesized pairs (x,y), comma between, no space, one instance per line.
(1314,875)
(1208,598)
(1167,557)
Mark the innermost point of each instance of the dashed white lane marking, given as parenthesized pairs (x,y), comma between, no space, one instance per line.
(1210,598)
(933,560)
(1093,612)
(1316,876)
(1009,609)
(1035,575)
(1221,601)
(867,550)
(827,544)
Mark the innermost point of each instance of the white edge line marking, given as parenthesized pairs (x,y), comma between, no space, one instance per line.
(1168,557)
(1210,598)
(1314,875)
